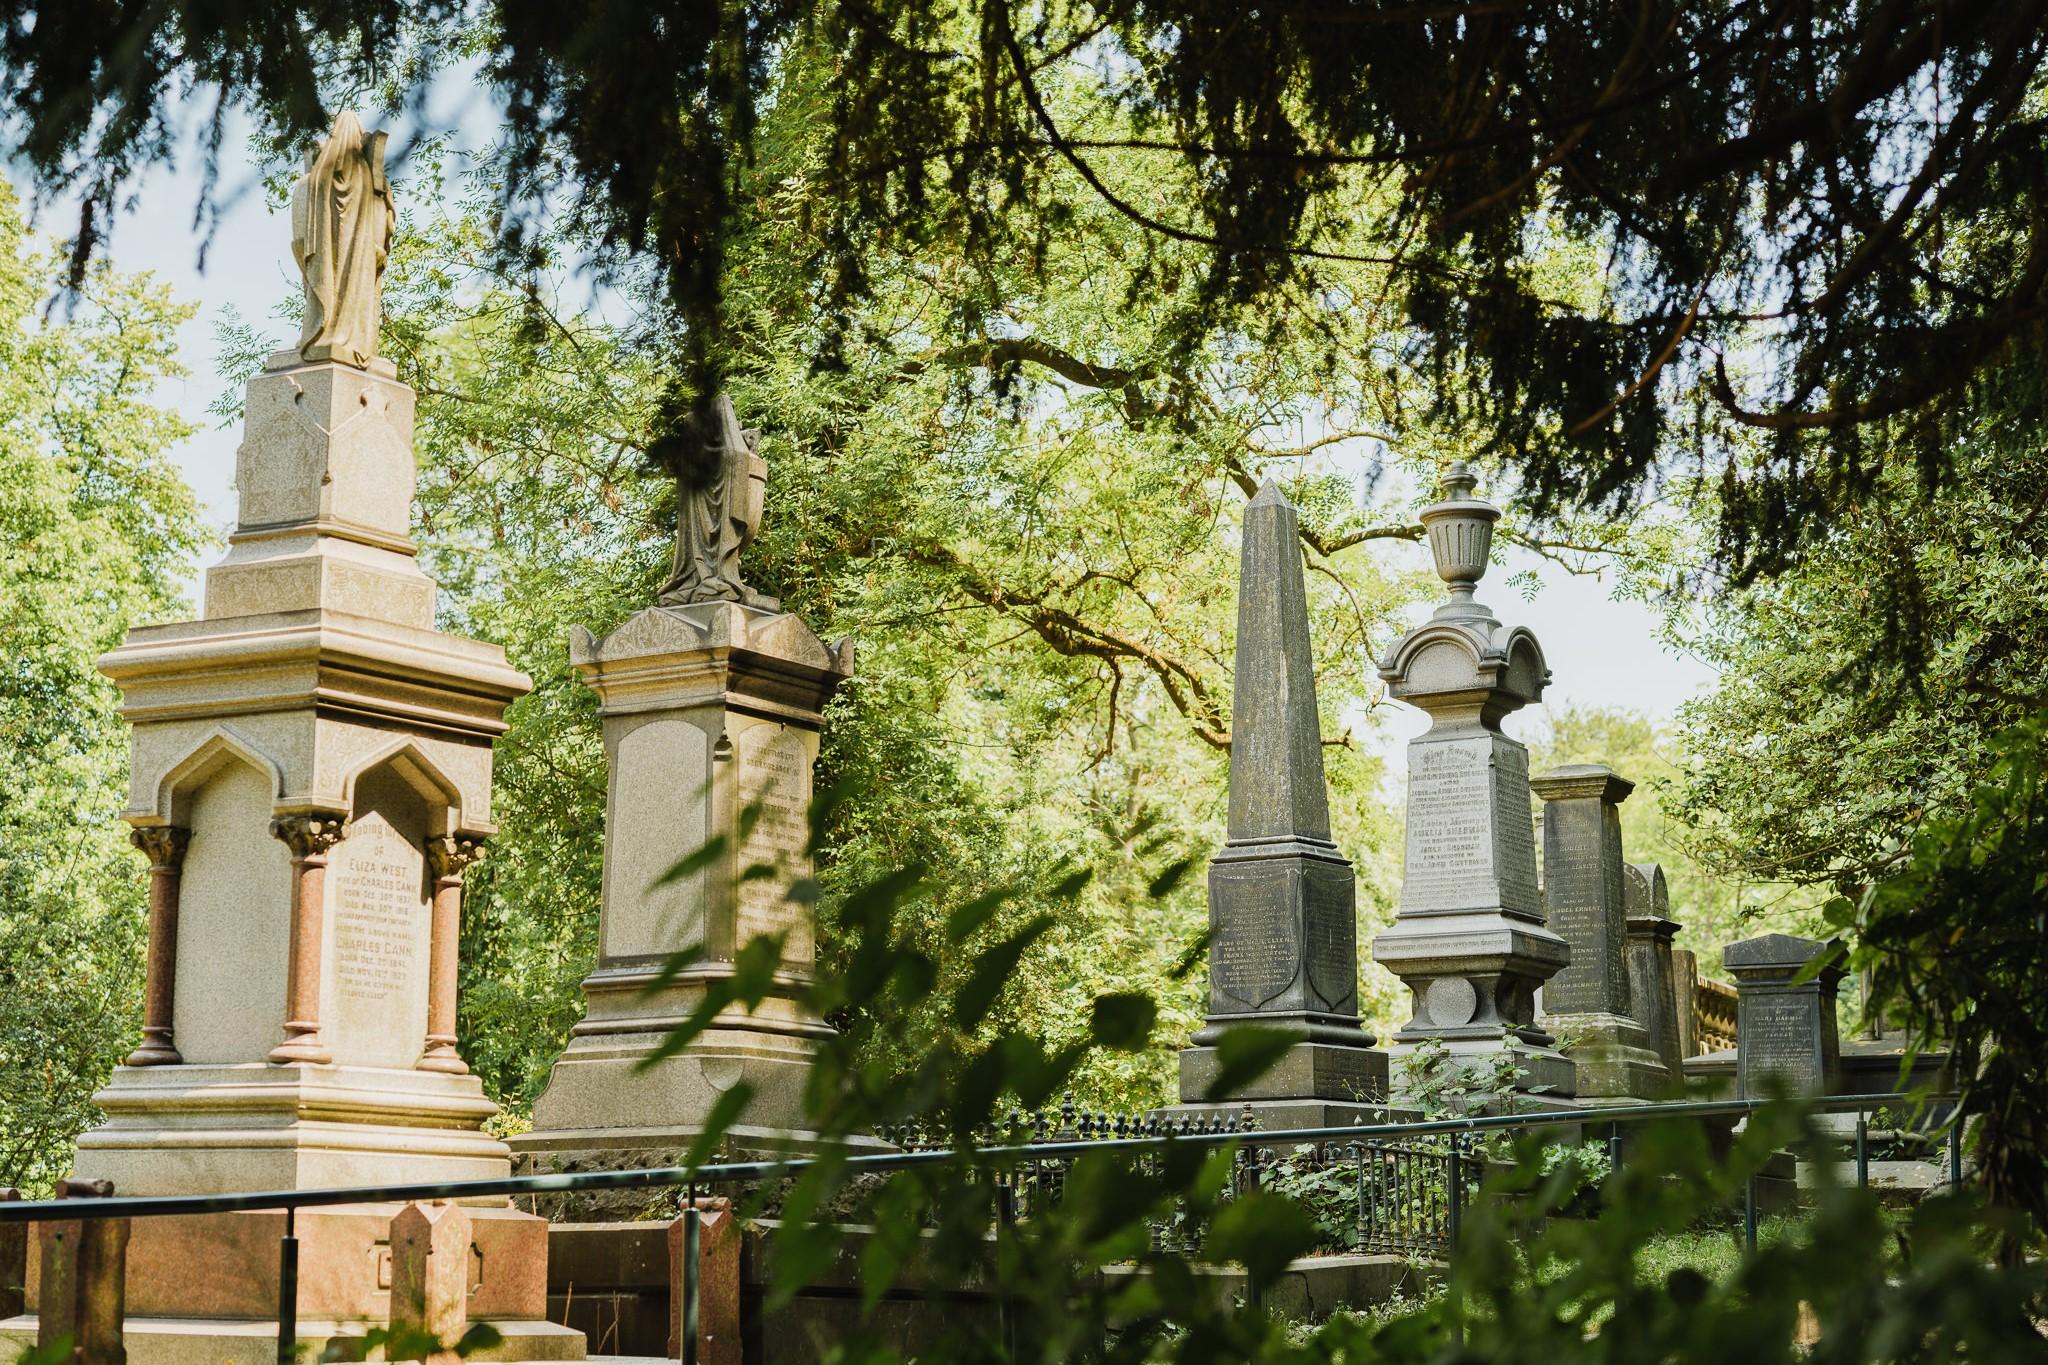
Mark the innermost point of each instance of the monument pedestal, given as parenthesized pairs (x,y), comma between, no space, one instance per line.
(711,714)
(1470,941)
(310,779)
(1589,1003)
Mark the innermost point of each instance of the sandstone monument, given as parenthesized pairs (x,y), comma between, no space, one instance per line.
(1283,923)
(1470,941)
(711,700)
(1585,900)
(311,778)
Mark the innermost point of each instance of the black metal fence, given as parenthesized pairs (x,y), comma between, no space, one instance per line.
(1406,1183)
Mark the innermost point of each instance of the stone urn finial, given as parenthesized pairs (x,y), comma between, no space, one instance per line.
(1460,531)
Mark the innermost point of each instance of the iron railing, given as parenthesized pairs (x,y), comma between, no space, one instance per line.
(1413,1178)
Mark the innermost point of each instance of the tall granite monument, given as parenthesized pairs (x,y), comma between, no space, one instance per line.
(1283,923)
(712,702)
(1470,941)
(1585,898)
(311,778)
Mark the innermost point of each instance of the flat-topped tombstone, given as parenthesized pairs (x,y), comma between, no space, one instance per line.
(1785,1026)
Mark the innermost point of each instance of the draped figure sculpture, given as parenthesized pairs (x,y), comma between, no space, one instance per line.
(720,482)
(342,220)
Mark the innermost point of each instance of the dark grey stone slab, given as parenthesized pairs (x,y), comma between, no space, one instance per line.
(1308,1070)
(1786,1035)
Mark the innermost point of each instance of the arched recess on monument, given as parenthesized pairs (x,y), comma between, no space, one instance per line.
(376,965)
(231,966)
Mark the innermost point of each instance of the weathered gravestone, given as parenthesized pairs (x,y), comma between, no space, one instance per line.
(1785,1027)
(711,701)
(1283,949)
(1652,969)
(1470,941)
(311,776)
(1585,895)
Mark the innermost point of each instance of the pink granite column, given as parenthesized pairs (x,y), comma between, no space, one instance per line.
(165,847)
(309,837)
(451,857)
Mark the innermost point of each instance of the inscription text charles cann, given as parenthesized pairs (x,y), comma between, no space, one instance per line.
(378,900)
(1781,1037)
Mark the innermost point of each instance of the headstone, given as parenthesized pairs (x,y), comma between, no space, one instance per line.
(711,701)
(1585,893)
(1470,941)
(1652,977)
(1283,947)
(311,774)
(1786,1037)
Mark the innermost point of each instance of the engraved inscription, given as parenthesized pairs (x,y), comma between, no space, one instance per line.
(378,901)
(775,773)
(1450,828)
(1332,938)
(1255,953)
(1514,831)
(1779,1036)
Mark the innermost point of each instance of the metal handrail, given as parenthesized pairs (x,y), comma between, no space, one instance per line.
(163,1205)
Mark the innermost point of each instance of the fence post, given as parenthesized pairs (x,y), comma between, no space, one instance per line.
(84,1280)
(288,1289)
(13,1261)
(704,1283)
(1749,1212)
(1862,1150)
(1955,1151)
(430,1274)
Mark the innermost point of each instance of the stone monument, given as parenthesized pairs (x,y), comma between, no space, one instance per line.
(1652,969)
(1585,897)
(311,777)
(1470,941)
(712,701)
(1283,922)
(1785,1027)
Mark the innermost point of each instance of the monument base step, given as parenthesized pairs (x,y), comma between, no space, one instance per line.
(253,1341)
(1354,1076)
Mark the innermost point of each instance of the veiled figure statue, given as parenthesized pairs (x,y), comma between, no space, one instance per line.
(342,220)
(721,480)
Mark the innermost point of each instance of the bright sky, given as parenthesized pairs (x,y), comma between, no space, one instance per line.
(1601,652)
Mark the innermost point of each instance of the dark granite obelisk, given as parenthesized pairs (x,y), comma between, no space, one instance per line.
(1283,949)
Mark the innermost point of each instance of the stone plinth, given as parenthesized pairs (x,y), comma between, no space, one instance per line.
(1786,1038)
(311,777)
(1283,922)
(1469,940)
(1652,971)
(1585,897)
(708,710)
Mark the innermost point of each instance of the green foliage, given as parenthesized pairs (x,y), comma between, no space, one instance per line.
(1957,943)
(1817,231)
(95,530)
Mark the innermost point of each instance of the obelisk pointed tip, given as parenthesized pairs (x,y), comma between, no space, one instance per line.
(1269,495)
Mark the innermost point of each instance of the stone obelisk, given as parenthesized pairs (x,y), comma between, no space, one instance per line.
(1469,940)
(1283,948)
(712,700)
(311,777)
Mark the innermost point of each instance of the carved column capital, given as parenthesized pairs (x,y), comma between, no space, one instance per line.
(163,845)
(451,855)
(309,835)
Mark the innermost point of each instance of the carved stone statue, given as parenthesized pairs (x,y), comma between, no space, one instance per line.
(342,219)
(720,483)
